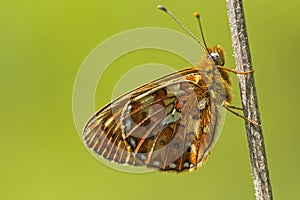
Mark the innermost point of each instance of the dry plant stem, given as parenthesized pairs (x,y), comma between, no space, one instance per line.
(258,157)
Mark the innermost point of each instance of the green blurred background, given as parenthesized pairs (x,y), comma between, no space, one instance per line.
(43,44)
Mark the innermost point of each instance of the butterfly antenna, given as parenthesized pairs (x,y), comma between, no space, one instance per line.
(201,30)
(181,25)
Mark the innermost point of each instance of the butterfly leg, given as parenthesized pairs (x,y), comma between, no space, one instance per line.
(230,109)
(234,107)
(235,71)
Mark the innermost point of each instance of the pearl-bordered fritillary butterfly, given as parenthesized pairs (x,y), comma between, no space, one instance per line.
(170,124)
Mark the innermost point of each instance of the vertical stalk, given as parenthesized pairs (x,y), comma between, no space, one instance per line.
(262,184)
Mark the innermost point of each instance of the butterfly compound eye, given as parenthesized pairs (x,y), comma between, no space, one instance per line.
(216,57)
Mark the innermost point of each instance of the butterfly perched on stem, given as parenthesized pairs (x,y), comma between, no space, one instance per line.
(170,124)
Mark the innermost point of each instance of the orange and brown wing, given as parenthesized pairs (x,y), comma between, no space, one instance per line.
(168,124)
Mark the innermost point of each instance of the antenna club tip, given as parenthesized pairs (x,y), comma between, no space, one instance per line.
(196,14)
(162,8)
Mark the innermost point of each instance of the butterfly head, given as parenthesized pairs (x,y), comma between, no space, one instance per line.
(217,54)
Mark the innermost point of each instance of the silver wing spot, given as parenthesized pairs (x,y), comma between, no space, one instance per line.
(171,117)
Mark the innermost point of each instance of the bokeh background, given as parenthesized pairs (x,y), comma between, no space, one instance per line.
(43,44)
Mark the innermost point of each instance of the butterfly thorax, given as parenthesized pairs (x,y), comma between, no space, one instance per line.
(217,79)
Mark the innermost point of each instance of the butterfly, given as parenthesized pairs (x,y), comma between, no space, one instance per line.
(169,124)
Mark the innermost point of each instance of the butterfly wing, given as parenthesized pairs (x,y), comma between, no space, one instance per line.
(168,124)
